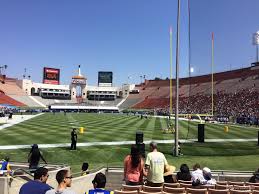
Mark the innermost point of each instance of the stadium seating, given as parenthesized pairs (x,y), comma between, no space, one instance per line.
(4,99)
(152,189)
(174,190)
(171,185)
(218,191)
(131,188)
(236,88)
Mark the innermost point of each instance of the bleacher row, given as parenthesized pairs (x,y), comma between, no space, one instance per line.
(156,93)
(185,187)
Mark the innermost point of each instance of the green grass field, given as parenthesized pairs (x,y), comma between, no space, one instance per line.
(49,128)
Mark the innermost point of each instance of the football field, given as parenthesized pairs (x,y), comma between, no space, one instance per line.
(55,129)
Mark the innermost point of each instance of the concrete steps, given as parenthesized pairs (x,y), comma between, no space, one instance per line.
(114,179)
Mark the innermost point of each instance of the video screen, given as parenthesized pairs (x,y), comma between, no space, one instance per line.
(104,77)
(51,75)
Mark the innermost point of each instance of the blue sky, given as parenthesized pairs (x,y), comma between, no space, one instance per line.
(128,37)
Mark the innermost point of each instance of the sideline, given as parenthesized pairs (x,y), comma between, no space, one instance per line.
(9,147)
(17,119)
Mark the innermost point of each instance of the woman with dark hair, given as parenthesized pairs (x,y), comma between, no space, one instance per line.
(184,173)
(133,167)
(34,157)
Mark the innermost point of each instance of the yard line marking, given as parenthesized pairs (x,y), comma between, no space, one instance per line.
(8,147)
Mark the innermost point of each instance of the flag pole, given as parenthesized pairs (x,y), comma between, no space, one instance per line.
(171,72)
(212,73)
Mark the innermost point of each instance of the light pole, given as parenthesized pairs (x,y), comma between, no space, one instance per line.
(177,78)
(256,43)
(2,68)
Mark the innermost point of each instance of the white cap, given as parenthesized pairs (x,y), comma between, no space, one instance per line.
(206,170)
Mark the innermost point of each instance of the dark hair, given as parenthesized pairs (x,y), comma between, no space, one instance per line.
(61,175)
(84,166)
(135,156)
(196,166)
(34,146)
(100,180)
(40,172)
(34,153)
(7,158)
(184,168)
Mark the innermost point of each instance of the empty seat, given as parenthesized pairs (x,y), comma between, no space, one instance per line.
(125,192)
(236,183)
(131,187)
(217,186)
(222,182)
(196,191)
(207,186)
(152,189)
(174,190)
(172,185)
(218,191)
(243,188)
(184,185)
(144,192)
(232,191)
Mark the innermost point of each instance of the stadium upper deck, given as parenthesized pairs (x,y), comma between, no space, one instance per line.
(235,93)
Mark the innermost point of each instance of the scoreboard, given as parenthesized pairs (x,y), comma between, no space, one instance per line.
(105,78)
(51,76)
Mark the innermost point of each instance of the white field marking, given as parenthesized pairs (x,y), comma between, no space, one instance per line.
(8,147)
(18,119)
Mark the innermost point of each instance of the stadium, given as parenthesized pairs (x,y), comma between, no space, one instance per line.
(208,118)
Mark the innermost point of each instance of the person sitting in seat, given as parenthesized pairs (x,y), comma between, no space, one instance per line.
(208,177)
(255,177)
(84,169)
(5,166)
(99,183)
(197,175)
(184,173)
(168,174)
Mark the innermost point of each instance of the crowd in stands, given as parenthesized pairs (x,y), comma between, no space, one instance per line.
(243,106)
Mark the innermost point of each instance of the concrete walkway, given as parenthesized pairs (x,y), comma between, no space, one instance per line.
(15,120)
(8,147)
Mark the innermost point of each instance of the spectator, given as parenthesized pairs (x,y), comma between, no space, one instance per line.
(84,169)
(155,165)
(133,167)
(168,175)
(184,173)
(4,165)
(197,175)
(64,180)
(255,177)
(208,177)
(34,157)
(38,185)
(99,183)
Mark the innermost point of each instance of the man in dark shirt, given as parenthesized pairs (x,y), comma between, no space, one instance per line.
(38,185)
(73,139)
